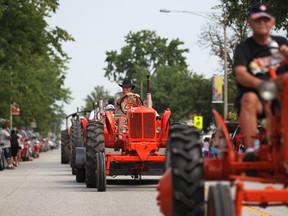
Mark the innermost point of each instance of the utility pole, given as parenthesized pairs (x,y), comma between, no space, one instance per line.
(225,71)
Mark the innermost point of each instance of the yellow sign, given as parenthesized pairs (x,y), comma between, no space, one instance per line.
(198,122)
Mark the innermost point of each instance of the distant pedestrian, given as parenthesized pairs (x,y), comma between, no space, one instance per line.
(15,143)
(206,145)
(214,153)
(20,147)
(6,146)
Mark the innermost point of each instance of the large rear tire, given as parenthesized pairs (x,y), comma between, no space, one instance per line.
(65,159)
(76,135)
(101,171)
(220,202)
(187,170)
(95,143)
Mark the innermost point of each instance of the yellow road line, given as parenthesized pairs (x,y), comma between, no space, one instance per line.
(246,207)
(256,211)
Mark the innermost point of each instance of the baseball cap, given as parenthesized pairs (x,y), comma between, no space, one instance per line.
(261,10)
(109,107)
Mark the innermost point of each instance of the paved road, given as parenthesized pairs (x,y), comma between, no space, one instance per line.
(46,187)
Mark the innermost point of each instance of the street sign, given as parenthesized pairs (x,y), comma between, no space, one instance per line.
(198,122)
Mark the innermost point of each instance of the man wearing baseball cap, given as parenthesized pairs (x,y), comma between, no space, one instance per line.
(249,76)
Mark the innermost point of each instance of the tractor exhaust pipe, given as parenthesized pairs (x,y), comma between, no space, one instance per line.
(149,97)
(101,108)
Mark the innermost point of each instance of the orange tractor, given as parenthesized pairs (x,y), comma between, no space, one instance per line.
(132,149)
(181,189)
(72,138)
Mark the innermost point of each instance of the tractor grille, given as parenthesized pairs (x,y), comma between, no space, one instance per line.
(142,125)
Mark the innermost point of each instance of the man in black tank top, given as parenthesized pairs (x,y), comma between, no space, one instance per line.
(248,76)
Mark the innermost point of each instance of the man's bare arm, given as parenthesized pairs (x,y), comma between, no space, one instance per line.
(245,78)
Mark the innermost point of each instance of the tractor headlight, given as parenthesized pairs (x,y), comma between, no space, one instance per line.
(158,129)
(123,129)
(268,90)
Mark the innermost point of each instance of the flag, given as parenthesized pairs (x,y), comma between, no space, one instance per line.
(217,94)
(15,109)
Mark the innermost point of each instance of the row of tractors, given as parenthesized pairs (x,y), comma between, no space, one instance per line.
(98,147)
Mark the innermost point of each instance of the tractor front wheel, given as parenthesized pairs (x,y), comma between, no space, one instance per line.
(64,147)
(187,170)
(101,171)
(95,143)
(219,201)
(80,175)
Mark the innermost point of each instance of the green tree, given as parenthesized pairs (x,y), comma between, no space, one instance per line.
(95,95)
(32,62)
(142,54)
(185,93)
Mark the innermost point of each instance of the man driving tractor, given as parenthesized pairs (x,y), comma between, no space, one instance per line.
(127,87)
(249,77)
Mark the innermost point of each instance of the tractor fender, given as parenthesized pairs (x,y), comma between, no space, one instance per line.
(165,122)
(110,123)
(80,157)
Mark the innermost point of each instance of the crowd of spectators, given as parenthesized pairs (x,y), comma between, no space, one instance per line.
(17,146)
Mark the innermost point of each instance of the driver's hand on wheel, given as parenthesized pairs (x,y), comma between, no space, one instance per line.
(137,95)
(132,94)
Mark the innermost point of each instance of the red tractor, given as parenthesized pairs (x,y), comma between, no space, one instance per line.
(181,189)
(131,149)
(72,138)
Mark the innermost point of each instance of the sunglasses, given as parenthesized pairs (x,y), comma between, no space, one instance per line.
(260,19)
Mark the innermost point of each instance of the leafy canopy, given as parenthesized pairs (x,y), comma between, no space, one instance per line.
(143,50)
(32,62)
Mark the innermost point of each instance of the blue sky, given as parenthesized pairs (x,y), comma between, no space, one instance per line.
(100,26)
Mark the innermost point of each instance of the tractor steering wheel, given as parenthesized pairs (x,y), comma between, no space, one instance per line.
(128,101)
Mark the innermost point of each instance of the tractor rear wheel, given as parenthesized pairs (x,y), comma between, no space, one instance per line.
(72,137)
(64,147)
(77,134)
(219,201)
(187,170)
(77,141)
(101,171)
(95,143)
(80,175)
